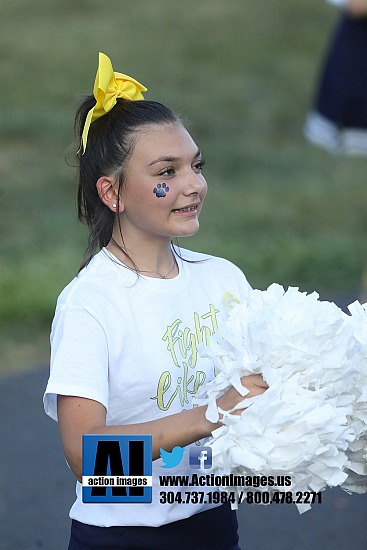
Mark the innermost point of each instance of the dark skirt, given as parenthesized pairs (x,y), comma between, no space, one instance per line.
(209,530)
(339,116)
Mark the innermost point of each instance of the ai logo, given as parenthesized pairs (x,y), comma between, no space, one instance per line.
(117,468)
(200,458)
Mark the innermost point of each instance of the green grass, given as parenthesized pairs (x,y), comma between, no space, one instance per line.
(243,74)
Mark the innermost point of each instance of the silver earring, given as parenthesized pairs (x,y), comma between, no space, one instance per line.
(114,205)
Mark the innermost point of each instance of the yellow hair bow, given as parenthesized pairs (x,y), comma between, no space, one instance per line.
(109,86)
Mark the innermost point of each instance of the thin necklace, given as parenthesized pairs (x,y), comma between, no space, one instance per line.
(160,274)
(145,271)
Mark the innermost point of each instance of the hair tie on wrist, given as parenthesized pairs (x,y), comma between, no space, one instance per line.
(109,86)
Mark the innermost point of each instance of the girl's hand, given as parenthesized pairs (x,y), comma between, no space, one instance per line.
(254,383)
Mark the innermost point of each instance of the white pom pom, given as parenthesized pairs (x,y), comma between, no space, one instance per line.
(311,424)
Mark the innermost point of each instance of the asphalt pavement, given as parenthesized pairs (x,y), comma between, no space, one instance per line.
(37,488)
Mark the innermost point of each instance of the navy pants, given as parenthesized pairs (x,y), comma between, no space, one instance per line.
(214,529)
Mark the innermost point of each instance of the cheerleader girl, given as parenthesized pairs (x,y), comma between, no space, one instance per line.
(126,337)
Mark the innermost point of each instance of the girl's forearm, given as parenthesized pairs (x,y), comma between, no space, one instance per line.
(79,416)
(179,429)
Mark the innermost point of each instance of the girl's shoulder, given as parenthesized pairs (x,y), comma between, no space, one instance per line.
(93,281)
(214,274)
(207,265)
(207,260)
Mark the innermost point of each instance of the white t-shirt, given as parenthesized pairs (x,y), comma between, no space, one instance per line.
(131,343)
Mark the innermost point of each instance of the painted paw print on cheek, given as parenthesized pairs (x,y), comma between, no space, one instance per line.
(161,190)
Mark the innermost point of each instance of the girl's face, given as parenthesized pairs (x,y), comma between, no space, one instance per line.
(164,188)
